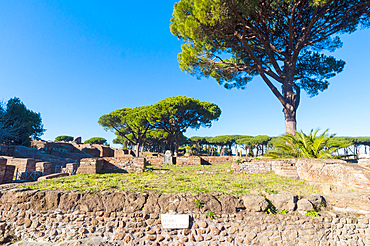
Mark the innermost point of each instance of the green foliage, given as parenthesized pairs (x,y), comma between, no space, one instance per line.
(234,41)
(129,124)
(304,146)
(177,179)
(313,213)
(210,214)
(198,203)
(19,124)
(96,140)
(271,209)
(269,191)
(212,28)
(176,114)
(283,212)
(63,138)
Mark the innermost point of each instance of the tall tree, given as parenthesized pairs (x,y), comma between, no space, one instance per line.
(19,124)
(130,124)
(279,40)
(177,114)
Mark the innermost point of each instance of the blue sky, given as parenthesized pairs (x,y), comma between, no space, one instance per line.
(74,61)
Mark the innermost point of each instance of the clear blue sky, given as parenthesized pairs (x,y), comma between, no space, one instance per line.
(74,61)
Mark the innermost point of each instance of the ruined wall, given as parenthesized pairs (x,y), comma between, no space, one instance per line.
(336,172)
(111,164)
(191,160)
(6,171)
(134,219)
(127,164)
(216,159)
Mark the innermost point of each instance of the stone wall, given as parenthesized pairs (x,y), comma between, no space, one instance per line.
(134,219)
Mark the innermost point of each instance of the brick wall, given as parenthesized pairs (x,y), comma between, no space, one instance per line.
(9,174)
(6,171)
(125,164)
(330,171)
(109,164)
(90,166)
(335,172)
(216,159)
(191,160)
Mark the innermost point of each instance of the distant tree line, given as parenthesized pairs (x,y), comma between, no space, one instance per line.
(260,145)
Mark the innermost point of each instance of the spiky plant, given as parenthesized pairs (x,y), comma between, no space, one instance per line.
(301,145)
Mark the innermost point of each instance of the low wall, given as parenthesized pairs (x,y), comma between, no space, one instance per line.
(111,164)
(334,172)
(253,166)
(216,159)
(6,171)
(90,166)
(134,219)
(191,160)
(331,171)
(126,164)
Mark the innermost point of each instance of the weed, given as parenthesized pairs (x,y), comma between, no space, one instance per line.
(271,209)
(283,212)
(210,215)
(198,203)
(313,213)
(271,191)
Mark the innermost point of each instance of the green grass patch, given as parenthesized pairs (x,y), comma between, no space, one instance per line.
(177,179)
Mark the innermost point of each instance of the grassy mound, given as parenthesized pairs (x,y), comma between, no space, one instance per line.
(177,179)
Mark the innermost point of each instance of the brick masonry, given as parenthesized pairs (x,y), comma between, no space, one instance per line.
(191,160)
(336,172)
(109,164)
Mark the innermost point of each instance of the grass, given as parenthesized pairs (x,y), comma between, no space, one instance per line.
(177,179)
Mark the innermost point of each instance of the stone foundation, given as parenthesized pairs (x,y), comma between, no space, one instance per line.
(134,219)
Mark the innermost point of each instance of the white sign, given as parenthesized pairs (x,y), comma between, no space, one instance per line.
(170,221)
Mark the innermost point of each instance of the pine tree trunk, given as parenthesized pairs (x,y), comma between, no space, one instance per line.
(292,101)
(137,150)
(290,122)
